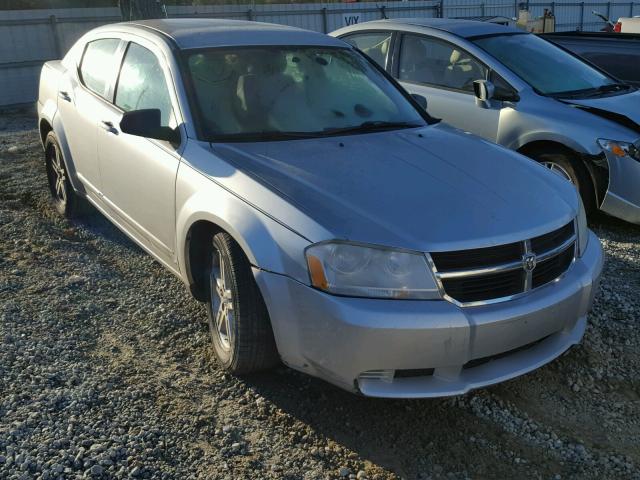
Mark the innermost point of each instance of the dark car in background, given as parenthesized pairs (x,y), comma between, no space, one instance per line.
(616,53)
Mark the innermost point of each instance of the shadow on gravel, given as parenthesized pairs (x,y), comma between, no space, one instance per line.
(97,224)
(613,226)
(407,437)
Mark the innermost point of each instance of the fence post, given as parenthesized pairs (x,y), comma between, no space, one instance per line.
(608,9)
(631,9)
(441,9)
(325,27)
(516,12)
(553,8)
(581,16)
(53,21)
(482,9)
(250,15)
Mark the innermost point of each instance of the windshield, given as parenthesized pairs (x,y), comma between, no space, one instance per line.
(547,68)
(264,93)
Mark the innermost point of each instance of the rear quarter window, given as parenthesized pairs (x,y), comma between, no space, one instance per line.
(374,44)
(97,66)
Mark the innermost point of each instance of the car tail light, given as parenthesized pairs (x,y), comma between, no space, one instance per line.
(617,27)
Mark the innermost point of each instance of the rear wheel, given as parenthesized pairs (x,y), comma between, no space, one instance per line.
(572,170)
(64,198)
(238,319)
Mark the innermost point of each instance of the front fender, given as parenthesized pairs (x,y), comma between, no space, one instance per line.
(267,243)
(547,136)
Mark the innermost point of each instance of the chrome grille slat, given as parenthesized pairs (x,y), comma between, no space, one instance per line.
(499,281)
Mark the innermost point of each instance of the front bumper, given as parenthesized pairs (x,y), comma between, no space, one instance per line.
(339,338)
(622,199)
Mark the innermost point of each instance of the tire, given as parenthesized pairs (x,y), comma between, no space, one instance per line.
(573,170)
(238,319)
(65,200)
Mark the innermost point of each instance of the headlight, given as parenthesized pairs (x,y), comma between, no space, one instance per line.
(583,229)
(620,149)
(370,271)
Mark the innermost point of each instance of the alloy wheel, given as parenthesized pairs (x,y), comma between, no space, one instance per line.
(560,170)
(57,175)
(222,303)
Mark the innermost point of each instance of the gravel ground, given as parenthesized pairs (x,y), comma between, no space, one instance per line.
(106,372)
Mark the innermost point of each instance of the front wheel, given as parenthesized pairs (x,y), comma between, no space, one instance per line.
(572,170)
(238,319)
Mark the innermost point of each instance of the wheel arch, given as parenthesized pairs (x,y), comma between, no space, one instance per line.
(44,127)
(53,124)
(598,175)
(196,249)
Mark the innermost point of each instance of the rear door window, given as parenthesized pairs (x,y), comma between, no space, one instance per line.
(97,66)
(374,44)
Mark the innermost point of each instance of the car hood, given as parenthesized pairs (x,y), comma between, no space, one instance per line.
(621,109)
(428,189)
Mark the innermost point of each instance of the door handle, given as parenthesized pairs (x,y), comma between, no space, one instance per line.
(108,126)
(64,96)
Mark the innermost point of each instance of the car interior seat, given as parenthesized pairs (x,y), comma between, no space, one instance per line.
(378,52)
(462,71)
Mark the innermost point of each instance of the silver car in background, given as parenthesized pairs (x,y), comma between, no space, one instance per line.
(518,90)
(325,219)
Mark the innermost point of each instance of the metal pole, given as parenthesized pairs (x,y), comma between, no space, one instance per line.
(441,9)
(631,9)
(581,16)
(553,8)
(325,28)
(608,9)
(250,15)
(53,21)
(482,9)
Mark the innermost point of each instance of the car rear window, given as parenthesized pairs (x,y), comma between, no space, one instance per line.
(97,64)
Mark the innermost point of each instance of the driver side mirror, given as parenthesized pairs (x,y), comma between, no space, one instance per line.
(483,90)
(420,100)
(148,123)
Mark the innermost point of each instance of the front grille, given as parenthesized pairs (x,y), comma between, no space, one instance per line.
(500,272)
(481,361)
(478,257)
(548,270)
(414,372)
(476,289)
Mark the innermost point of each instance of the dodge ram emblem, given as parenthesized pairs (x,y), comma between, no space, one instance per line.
(529,261)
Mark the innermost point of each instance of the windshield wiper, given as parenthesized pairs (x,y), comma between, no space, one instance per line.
(613,87)
(264,136)
(274,135)
(589,92)
(372,126)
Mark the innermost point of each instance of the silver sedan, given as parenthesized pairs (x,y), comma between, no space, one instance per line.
(323,217)
(518,90)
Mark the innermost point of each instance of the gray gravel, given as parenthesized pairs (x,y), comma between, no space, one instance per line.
(106,372)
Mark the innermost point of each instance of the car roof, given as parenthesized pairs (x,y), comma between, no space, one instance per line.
(211,32)
(455,26)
